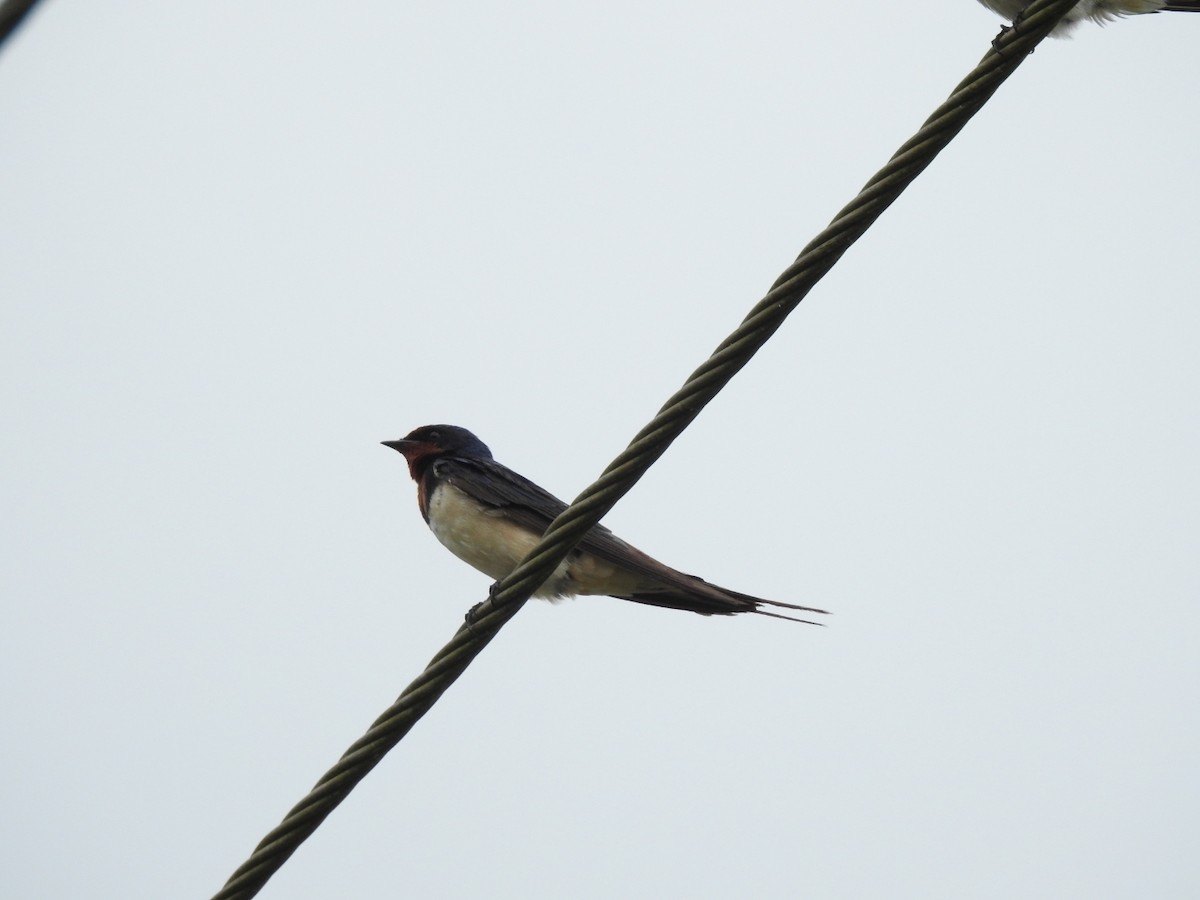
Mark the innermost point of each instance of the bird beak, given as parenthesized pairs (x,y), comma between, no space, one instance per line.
(399,446)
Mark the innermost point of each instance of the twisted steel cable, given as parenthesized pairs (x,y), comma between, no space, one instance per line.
(509,594)
(12,14)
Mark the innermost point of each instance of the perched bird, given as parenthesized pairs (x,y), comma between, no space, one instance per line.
(1097,10)
(491,517)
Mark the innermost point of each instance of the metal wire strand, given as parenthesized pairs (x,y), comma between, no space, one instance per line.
(12,14)
(507,597)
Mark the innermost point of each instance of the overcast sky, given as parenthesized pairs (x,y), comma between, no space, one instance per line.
(242,243)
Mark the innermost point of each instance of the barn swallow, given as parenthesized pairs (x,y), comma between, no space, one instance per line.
(1097,10)
(490,517)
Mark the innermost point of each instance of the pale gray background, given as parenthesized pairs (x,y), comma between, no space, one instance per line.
(244,242)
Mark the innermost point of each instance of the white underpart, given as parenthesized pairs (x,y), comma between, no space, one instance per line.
(1096,10)
(484,539)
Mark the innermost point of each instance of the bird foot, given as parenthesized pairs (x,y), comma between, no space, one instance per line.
(1004,29)
(473,614)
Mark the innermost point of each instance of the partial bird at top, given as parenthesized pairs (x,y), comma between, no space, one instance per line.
(490,517)
(1097,10)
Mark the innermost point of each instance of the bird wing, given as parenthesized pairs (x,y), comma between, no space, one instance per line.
(501,488)
(520,500)
(533,507)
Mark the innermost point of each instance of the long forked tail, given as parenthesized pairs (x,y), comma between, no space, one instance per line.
(758,603)
(1183,6)
(710,600)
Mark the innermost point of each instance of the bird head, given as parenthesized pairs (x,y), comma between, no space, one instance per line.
(423,445)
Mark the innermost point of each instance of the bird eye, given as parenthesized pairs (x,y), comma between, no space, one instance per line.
(435,435)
